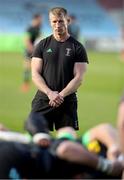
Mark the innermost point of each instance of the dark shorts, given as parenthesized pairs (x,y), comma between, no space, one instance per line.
(65,115)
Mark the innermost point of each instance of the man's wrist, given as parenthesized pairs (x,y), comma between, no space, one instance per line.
(62,94)
(48,92)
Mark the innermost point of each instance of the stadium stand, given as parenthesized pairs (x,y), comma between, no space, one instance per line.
(114,8)
(93,19)
(14,16)
(109,5)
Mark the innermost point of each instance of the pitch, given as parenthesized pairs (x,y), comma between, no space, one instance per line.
(98,96)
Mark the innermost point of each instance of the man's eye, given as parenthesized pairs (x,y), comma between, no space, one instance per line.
(60,21)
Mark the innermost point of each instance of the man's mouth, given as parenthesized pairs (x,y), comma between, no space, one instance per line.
(58,30)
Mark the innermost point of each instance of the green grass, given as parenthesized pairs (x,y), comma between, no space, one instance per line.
(98,96)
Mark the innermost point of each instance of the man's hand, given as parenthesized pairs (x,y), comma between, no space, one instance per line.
(113,152)
(55,99)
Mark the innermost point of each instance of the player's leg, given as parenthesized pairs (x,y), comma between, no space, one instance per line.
(36,123)
(120,121)
(27,72)
(27,67)
(76,153)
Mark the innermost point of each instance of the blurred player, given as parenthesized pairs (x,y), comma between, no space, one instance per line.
(59,158)
(32,34)
(63,159)
(58,66)
(122,44)
(103,139)
(73,27)
(120,121)
(37,136)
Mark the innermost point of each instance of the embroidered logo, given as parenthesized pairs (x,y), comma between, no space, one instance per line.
(68,51)
(49,50)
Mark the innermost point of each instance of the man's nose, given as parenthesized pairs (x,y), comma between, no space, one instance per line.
(57,24)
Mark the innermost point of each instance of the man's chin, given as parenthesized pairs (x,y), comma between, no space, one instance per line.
(60,33)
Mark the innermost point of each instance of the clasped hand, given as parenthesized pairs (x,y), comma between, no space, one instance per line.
(55,99)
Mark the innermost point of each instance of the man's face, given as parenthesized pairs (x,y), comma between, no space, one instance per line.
(59,24)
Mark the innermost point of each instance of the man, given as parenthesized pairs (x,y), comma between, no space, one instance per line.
(120,122)
(32,34)
(58,66)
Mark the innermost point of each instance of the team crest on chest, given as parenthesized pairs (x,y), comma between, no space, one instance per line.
(68,50)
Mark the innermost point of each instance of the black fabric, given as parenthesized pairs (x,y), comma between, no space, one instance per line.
(58,61)
(21,161)
(14,157)
(33,33)
(64,115)
(36,123)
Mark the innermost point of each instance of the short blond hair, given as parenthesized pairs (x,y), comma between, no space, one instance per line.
(58,11)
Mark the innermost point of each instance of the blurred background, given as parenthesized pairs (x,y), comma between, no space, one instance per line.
(101,30)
